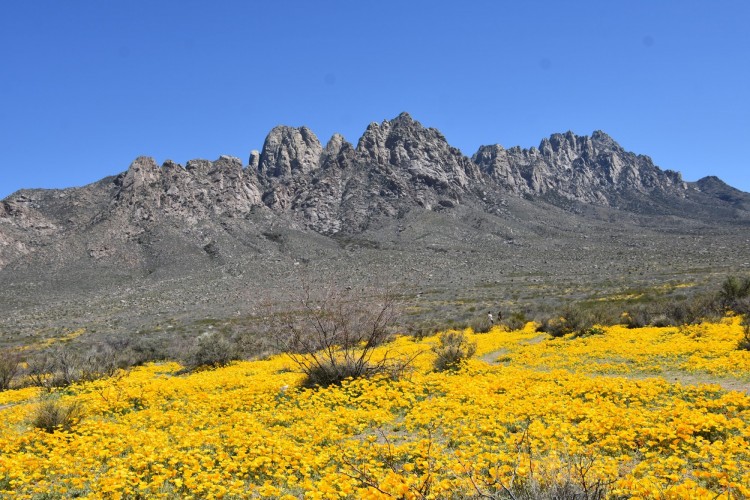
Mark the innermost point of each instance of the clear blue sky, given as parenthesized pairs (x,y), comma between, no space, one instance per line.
(87,86)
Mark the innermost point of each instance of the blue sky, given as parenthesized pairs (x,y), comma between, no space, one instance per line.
(87,86)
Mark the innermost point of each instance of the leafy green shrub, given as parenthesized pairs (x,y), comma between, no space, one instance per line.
(594,330)
(52,415)
(453,350)
(329,372)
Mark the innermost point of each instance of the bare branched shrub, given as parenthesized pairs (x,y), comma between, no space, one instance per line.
(52,415)
(453,350)
(687,311)
(10,363)
(480,325)
(333,333)
(576,479)
(51,369)
(422,476)
(100,361)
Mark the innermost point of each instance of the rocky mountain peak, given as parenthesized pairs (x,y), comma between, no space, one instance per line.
(604,140)
(397,166)
(253,161)
(289,151)
(142,172)
(334,145)
(423,153)
(590,169)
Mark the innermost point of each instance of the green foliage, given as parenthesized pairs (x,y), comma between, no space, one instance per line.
(453,350)
(333,372)
(594,330)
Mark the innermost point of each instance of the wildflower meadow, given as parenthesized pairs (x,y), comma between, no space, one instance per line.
(623,413)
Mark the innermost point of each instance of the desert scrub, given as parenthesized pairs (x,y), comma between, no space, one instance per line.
(734,291)
(9,367)
(453,350)
(334,333)
(572,319)
(53,415)
(211,350)
(542,425)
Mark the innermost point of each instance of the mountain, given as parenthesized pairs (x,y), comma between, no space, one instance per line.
(211,237)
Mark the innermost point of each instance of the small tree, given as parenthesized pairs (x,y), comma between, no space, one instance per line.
(453,350)
(9,365)
(334,333)
(57,367)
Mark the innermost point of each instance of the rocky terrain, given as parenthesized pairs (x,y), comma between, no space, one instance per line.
(181,247)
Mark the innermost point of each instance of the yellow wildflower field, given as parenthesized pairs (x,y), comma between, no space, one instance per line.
(595,413)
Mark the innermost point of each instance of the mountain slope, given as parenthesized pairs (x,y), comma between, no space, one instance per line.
(215,237)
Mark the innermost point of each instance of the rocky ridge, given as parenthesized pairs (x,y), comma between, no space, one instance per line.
(396,165)
(177,244)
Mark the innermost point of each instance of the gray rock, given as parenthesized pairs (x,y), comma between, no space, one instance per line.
(289,151)
(397,166)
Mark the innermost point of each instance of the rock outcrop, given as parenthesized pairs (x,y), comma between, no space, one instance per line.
(589,169)
(397,166)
